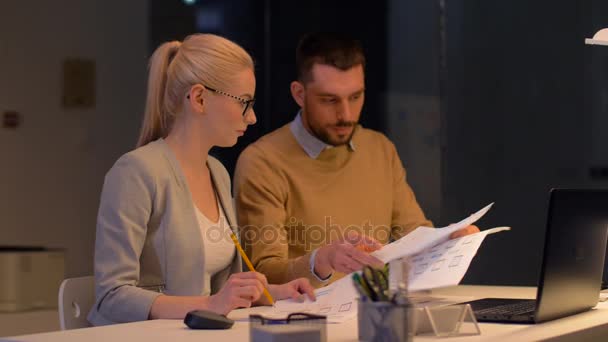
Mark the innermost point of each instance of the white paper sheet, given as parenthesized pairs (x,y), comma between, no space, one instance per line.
(424,237)
(437,261)
(337,301)
(447,263)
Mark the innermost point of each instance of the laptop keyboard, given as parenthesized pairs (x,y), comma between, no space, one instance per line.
(509,309)
(502,307)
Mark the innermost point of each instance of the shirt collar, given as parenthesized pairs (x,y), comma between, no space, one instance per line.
(311,144)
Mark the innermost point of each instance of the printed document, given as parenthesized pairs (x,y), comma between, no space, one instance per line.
(436,260)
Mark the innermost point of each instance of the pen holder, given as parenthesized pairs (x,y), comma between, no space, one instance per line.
(385,321)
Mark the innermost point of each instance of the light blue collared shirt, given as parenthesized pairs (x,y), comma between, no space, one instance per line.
(311,144)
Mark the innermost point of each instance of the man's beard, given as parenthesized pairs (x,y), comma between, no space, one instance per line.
(323,134)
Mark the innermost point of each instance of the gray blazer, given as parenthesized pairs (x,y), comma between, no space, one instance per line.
(148,239)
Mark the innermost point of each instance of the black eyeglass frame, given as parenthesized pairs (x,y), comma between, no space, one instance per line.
(247,103)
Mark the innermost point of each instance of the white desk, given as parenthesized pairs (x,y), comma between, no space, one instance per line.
(588,326)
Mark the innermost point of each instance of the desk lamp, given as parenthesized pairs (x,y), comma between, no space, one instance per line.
(600,38)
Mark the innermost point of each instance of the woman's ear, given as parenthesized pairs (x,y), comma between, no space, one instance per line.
(195,98)
(298,92)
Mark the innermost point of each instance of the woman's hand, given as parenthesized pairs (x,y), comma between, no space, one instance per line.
(294,289)
(239,291)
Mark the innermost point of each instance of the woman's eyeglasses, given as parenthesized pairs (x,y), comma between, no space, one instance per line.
(245,102)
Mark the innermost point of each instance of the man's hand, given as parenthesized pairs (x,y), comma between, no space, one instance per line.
(464,231)
(347,255)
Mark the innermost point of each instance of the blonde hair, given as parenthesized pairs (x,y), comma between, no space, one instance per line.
(175,67)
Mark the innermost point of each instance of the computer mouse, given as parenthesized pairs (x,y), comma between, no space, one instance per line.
(201,319)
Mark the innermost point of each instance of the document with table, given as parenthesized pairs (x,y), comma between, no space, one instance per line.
(436,260)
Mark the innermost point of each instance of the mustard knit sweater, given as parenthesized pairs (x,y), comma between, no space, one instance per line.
(289,204)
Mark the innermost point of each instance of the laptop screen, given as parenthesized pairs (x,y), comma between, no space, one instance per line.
(574,253)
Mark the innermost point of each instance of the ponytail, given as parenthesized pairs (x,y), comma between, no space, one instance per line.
(157,119)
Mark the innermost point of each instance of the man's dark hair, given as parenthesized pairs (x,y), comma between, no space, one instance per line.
(334,49)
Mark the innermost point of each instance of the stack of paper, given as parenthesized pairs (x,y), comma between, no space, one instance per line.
(437,261)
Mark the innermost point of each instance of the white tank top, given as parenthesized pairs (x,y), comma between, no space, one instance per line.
(217,245)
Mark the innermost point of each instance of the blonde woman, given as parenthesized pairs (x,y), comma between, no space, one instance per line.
(163,244)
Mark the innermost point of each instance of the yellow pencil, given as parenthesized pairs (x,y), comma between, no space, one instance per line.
(249,265)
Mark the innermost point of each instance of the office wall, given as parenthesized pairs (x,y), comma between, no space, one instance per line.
(413,99)
(518,107)
(52,166)
(518,122)
(596,88)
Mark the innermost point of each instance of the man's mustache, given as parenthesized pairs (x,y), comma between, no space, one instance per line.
(345,124)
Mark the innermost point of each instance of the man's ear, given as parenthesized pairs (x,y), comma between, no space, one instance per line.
(298,92)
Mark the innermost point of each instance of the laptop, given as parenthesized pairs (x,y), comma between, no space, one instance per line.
(572,264)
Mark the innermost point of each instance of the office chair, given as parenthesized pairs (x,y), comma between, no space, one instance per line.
(76,297)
